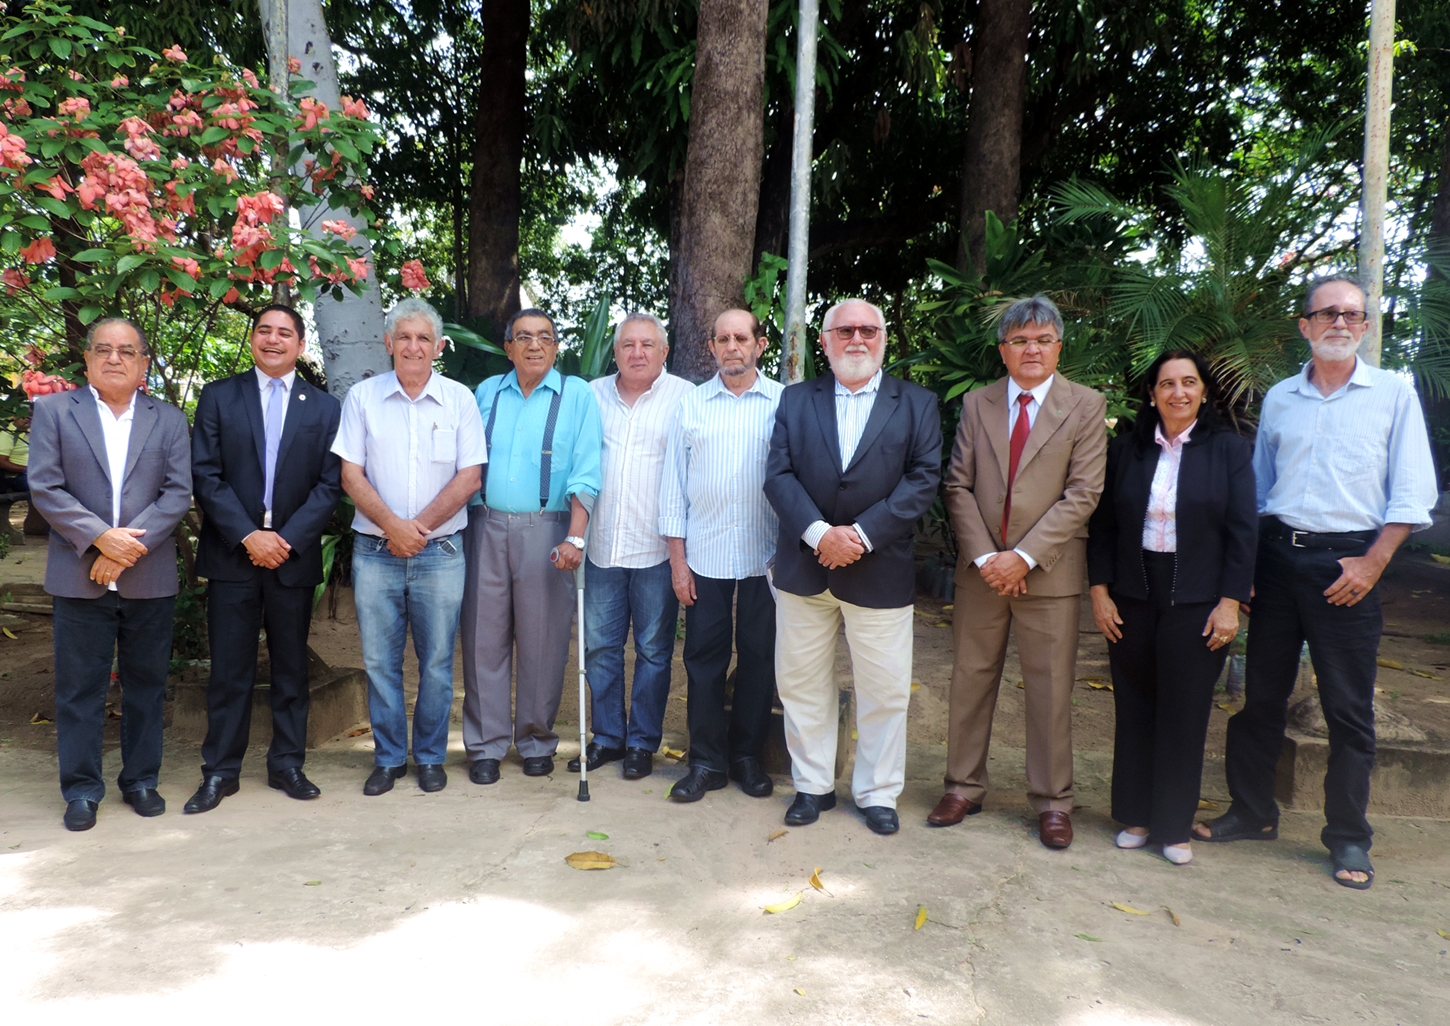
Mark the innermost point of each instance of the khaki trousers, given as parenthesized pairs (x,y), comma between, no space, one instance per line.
(1046,630)
(805,661)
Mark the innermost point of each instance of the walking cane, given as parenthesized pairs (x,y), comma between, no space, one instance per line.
(583,749)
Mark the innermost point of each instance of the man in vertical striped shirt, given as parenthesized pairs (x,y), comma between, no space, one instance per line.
(1344,475)
(721,532)
(627,574)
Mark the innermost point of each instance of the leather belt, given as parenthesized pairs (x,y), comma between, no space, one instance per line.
(1276,528)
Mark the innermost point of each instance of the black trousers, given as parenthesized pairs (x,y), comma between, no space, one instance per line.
(89,633)
(1289,609)
(1163,678)
(236,612)
(714,741)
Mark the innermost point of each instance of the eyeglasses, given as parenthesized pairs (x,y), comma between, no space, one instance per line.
(1328,316)
(104,353)
(743,341)
(528,338)
(844,332)
(1042,342)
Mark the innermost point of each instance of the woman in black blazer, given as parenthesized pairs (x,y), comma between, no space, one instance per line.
(1170,557)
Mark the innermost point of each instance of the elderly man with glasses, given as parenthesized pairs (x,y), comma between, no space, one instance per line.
(1344,473)
(1026,473)
(525,538)
(854,461)
(110,471)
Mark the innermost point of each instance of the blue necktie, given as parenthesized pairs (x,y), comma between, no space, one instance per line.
(274,435)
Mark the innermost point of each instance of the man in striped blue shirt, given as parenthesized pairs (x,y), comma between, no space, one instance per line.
(721,533)
(1344,475)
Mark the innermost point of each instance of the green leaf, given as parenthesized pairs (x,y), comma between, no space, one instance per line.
(215,134)
(55,206)
(150,280)
(181,279)
(347,149)
(270,259)
(9,242)
(130,262)
(218,288)
(51,147)
(60,47)
(86,314)
(60,293)
(595,835)
(34,222)
(94,256)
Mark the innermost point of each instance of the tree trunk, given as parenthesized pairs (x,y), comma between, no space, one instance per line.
(991,168)
(350,333)
(721,190)
(495,198)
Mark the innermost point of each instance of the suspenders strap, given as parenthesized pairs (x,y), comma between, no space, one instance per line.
(546,461)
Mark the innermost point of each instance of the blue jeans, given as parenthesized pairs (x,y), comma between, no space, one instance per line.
(615,597)
(392,594)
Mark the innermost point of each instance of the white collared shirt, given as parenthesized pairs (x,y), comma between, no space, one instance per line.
(712,493)
(624,528)
(264,383)
(1351,461)
(410,448)
(853,410)
(1160,521)
(117,434)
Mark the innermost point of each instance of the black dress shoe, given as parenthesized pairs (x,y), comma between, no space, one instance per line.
(483,771)
(432,778)
(881,819)
(598,756)
(146,801)
(539,766)
(694,784)
(752,777)
(210,794)
(380,781)
(80,814)
(293,782)
(807,808)
(638,764)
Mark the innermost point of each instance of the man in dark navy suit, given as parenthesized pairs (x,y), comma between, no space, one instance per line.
(266,481)
(854,461)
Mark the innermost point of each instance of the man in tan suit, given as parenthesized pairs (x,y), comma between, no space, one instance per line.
(1026,473)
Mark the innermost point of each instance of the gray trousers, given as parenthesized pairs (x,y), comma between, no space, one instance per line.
(513,596)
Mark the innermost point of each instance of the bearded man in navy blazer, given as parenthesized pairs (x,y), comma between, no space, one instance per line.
(854,461)
(267,482)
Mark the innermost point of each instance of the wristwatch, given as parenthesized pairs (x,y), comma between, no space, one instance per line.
(576,541)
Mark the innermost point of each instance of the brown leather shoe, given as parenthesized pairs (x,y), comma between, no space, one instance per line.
(1055,829)
(951,810)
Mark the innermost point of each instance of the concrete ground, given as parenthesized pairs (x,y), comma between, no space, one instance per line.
(458,906)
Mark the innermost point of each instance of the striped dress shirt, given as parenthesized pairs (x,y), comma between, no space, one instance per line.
(712,492)
(853,410)
(624,529)
(1351,461)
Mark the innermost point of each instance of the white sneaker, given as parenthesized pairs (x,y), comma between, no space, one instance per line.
(1178,854)
(1127,840)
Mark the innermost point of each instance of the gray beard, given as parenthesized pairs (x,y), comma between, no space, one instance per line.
(1334,351)
(737,372)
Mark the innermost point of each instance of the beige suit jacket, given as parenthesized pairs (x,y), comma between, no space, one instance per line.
(1059,480)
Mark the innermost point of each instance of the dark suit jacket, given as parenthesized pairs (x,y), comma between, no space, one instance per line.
(228,452)
(70,484)
(891,482)
(1217,519)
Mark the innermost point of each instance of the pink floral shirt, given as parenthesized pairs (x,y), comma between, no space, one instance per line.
(1160,525)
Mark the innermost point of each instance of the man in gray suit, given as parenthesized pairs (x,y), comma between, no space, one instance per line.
(110,470)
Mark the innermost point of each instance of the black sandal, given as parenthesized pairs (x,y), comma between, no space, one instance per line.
(1233,827)
(1351,858)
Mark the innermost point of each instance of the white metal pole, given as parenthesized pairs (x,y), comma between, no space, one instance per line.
(792,366)
(1378,96)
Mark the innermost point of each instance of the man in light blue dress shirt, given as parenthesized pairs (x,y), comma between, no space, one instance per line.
(721,533)
(1344,475)
(523,542)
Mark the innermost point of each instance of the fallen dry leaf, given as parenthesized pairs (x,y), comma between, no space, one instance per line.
(816,881)
(920,917)
(1442,933)
(38,719)
(800,992)
(788,958)
(942,623)
(1022,684)
(1389,664)
(915,686)
(590,860)
(1204,803)
(1129,909)
(776,836)
(313,883)
(1227,707)
(1088,937)
(12,637)
(1445,560)
(595,835)
(1173,916)
(673,753)
(1427,674)
(784,906)
(949,605)
(1098,685)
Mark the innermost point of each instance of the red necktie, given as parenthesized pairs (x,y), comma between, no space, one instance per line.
(1020,431)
